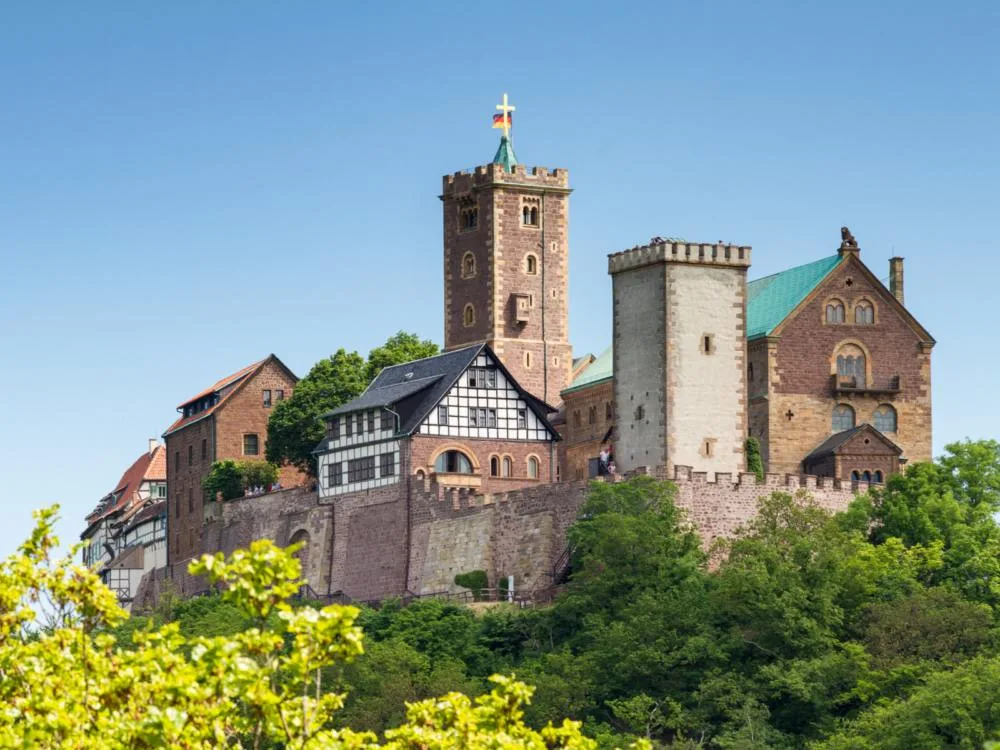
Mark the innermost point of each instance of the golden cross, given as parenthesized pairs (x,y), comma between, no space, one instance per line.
(505,109)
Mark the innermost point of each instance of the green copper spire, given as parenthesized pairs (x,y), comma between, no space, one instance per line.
(505,155)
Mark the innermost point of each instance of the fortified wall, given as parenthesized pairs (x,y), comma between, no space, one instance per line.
(414,538)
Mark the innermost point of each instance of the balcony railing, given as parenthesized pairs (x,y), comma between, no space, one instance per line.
(846,384)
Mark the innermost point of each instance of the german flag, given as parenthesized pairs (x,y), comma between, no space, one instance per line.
(498,120)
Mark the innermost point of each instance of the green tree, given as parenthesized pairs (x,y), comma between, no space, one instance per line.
(295,428)
(754,462)
(225,479)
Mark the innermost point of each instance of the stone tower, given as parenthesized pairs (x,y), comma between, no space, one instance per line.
(680,355)
(506,265)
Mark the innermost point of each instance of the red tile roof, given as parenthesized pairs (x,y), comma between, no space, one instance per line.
(148,467)
(236,377)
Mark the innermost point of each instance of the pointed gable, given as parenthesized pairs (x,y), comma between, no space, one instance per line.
(773,298)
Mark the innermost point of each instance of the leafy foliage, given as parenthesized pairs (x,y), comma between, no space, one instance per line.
(475,580)
(754,462)
(294,427)
(230,479)
(70,685)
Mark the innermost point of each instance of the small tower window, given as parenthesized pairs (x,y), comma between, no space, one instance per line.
(864,313)
(531,264)
(640,413)
(707,344)
(527,360)
(468,265)
(469,317)
(469,219)
(529,213)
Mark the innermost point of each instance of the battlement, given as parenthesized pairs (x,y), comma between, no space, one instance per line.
(494,175)
(673,251)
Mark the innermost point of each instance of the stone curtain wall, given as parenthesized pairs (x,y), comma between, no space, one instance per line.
(388,542)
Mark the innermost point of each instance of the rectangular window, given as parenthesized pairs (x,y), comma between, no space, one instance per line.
(177,504)
(335,428)
(348,425)
(251,446)
(387,465)
(522,418)
(161,491)
(279,395)
(371,421)
(190,455)
(491,417)
(473,377)
(267,398)
(335,474)
(443,415)
(483,417)
(361,469)
(361,423)
(204,448)
(387,420)
(190,500)
(491,378)
(177,460)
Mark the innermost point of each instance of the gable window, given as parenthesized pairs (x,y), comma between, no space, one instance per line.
(483,417)
(508,466)
(468,266)
(494,466)
(834,311)
(387,465)
(267,398)
(532,467)
(864,313)
(443,415)
(522,418)
(453,462)
(335,474)
(531,265)
(491,378)
(843,418)
(469,316)
(279,395)
(251,445)
(851,366)
(473,377)
(885,418)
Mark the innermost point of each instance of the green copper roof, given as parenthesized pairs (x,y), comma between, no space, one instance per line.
(505,155)
(772,298)
(598,371)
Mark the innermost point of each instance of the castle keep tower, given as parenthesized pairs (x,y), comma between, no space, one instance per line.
(506,253)
(680,355)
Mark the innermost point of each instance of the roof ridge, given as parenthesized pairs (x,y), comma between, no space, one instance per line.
(792,268)
(433,356)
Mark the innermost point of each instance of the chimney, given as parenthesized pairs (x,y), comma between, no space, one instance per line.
(896,278)
(153,445)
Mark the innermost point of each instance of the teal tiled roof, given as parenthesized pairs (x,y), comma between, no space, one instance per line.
(598,371)
(772,298)
(505,155)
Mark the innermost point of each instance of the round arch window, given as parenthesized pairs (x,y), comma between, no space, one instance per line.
(453,462)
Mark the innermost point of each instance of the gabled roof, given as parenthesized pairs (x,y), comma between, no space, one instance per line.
(159,508)
(833,443)
(771,299)
(599,371)
(414,388)
(232,383)
(149,467)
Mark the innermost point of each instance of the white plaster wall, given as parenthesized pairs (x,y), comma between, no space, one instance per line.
(639,362)
(706,390)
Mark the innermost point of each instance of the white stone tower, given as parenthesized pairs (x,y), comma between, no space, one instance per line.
(680,355)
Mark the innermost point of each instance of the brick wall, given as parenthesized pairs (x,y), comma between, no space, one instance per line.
(190,453)
(425,449)
(582,439)
(803,363)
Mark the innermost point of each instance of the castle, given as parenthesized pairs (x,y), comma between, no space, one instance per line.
(478,458)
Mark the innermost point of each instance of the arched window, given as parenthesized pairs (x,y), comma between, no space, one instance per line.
(856,476)
(469,317)
(834,311)
(851,366)
(468,265)
(867,476)
(494,466)
(531,264)
(592,415)
(534,216)
(609,412)
(532,467)
(864,313)
(878,477)
(453,462)
(885,418)
(508,466)
(843,418)
(526,215)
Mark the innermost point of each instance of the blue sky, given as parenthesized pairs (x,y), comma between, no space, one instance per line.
(187,187)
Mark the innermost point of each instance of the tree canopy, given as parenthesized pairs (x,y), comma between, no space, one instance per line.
(294,428)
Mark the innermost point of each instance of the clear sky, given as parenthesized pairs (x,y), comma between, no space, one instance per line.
(187,187)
